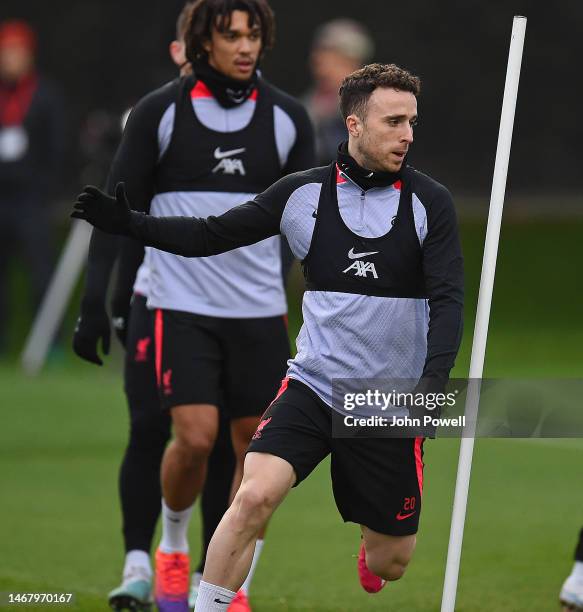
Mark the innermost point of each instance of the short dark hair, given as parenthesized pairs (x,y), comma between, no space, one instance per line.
(357,87)
(182,20)
(204,15)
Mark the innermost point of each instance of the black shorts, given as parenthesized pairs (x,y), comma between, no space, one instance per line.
(139,373)
(377,482)
(236,364)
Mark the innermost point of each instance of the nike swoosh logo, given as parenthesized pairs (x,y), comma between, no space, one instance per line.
(353,255)
(402,517)
(222,154)
(217,600)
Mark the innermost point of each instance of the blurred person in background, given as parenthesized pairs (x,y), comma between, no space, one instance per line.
(339,48)
(571,596)
(31,147)
(98,141)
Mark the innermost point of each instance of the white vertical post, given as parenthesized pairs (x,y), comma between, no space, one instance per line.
(56,298)
(483,314)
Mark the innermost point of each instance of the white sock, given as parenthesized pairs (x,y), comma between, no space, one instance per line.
(174,529)
(213,598)
(137,566)
(577,572)
(247,584)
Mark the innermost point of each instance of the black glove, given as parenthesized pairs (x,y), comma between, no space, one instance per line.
(111,215)
(92,325)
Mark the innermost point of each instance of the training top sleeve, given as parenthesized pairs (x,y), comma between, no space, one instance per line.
(301,157)
(243,225)
(134,164)
(131,256)
(100,259)
(137,155)
(303,154)
(444,282)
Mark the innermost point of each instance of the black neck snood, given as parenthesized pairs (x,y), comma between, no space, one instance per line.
(365,179)
(228,92)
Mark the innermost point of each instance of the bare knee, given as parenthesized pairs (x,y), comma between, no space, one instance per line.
(194,446)
(387,568)
(267,480)
(388,558)
(195,431)
(252,506)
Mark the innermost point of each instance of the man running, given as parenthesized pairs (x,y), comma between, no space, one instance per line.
(199,146)
(383,265)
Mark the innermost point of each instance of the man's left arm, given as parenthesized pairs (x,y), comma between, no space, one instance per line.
(444,283)
(302,155)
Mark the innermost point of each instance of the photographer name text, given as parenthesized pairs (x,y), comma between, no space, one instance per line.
(403,421)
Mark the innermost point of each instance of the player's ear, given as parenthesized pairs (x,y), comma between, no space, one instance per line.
(207,45)
(177,52)
(354,126)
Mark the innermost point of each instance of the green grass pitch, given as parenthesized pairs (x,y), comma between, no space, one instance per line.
(63,434)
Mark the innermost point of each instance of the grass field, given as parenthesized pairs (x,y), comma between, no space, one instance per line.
(63,433)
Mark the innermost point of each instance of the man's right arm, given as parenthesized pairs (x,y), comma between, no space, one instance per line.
(243,225)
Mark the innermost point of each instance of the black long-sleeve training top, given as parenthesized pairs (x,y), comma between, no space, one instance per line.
(183,153)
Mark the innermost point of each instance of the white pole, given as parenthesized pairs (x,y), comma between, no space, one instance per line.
(483,314)
(56,298)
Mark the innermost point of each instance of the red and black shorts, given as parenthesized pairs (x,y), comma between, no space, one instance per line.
(236,364)
(377,482)
(139,376)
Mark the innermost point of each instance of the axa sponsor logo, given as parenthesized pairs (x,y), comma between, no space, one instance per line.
(142,349)
(260,427)
(228,163)
(360,267)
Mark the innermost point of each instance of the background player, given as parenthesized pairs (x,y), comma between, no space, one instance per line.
(201,144)
(149,428)
(139,478)
(572,590)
